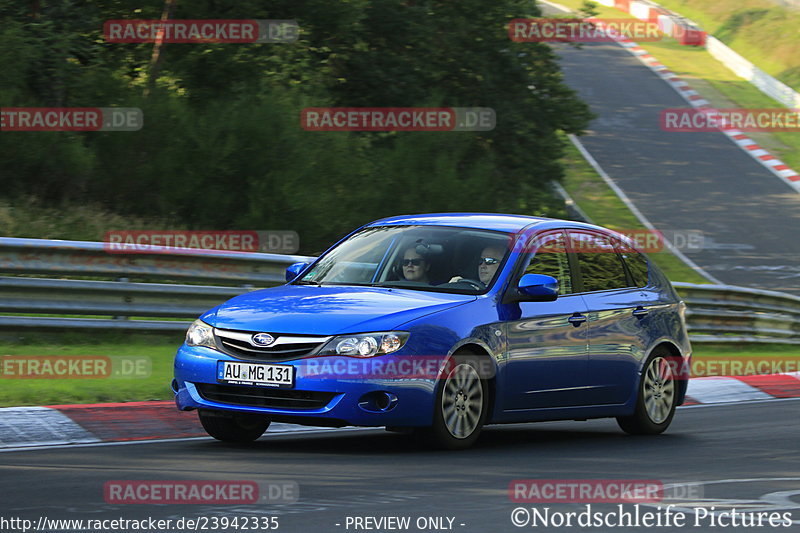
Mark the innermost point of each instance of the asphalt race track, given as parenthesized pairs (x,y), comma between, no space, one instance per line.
(745,455)
(686,181)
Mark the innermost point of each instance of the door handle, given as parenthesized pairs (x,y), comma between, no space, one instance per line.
(577,319)
(640,312)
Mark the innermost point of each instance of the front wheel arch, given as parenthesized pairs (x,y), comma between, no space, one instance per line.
(491,365)
(461,386)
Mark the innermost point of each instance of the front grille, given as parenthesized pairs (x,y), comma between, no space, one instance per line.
(261,397)
(285,347)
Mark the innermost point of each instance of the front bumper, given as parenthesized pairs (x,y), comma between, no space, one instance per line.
(389,390)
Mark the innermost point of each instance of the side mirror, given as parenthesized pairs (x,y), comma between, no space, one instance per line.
(538,287)
(292,271)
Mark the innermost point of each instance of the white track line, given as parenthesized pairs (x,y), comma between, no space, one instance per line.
(767,160)
(638,214)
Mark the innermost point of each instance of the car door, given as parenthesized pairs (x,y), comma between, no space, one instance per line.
(547,341)
(613,304)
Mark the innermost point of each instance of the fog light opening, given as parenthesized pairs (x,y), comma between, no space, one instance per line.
(383,401)
(174,386)
(379,401)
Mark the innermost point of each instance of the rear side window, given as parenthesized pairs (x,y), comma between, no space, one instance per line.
(600,265)
(636,263)
(551,259)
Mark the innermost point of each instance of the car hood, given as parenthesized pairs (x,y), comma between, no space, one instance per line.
(328,310)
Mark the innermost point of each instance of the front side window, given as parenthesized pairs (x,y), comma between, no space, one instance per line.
(550,259)
(599,263)
(436,258)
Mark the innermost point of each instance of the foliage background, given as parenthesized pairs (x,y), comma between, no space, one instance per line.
(222,146)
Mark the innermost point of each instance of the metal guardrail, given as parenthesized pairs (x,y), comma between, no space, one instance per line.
(122,299)
(715,313)
(724,313)
(112,298)
(81,258)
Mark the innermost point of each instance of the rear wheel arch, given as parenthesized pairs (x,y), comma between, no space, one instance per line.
(657,395)
(676,357)
(670,347)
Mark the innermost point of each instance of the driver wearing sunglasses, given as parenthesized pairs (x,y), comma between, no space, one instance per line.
(415,267)
(488,262)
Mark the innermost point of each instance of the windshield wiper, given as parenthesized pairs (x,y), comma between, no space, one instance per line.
(309,282)
(390,285)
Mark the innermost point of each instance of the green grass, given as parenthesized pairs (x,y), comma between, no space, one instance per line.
(715,82)
(15,391)
(760,30)
(745,350)
(604,207)
(722,359)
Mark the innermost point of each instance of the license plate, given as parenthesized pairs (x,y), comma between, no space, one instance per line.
(259,374)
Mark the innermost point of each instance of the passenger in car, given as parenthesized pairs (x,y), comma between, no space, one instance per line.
(415,266)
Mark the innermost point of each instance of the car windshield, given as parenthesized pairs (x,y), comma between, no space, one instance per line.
(442,259)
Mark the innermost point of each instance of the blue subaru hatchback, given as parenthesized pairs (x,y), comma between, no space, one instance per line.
(441,324)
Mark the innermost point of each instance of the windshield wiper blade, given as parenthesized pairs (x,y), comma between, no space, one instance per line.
(391,285)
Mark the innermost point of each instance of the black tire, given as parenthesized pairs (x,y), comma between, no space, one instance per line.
(461,406)
(236,428)
(656,399)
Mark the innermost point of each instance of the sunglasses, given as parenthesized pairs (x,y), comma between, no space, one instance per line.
(488,261)
(417,261)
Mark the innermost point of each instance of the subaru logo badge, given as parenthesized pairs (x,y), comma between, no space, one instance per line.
(262,339)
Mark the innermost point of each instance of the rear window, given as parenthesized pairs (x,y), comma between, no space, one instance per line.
(636,263)
(600,265)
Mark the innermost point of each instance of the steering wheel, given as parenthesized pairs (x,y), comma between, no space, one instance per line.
(477,285)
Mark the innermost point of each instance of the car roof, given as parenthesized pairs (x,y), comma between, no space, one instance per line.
(508,223)
(490,221)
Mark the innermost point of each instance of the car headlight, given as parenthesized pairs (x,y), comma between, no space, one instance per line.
(365,344)
(200,334)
